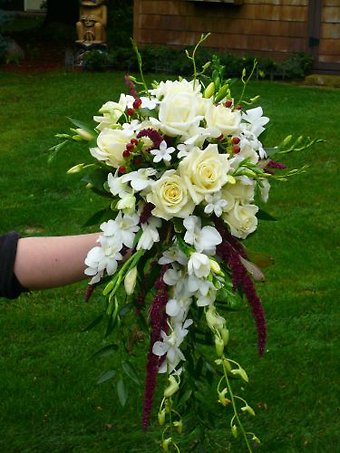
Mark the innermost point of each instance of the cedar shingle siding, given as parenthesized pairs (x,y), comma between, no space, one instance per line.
(267,28)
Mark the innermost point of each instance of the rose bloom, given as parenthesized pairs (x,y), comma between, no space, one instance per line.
(178,113)
(110,146)
(170,197)
(172,87)
(239,192)
(204,171)
(227,121)
(241,220)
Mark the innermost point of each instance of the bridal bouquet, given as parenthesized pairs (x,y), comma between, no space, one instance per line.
(182,166)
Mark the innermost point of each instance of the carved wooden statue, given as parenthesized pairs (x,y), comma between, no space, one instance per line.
(91,27)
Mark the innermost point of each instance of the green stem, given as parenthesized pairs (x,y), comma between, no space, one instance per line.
(235,410)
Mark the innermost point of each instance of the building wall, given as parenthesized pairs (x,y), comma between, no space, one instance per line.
(266,28)
(262,27)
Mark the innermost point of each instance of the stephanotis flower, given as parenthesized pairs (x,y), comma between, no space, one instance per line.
(140,179)
(163,153)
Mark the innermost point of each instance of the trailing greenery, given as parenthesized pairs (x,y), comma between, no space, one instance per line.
(49,396)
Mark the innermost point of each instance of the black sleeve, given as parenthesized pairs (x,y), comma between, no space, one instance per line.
(9,284)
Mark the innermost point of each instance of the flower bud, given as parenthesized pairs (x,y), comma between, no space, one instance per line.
(166,443)
(215,267)
(172,388)
(85,135)
(234,431)
(231,179)
(209,91)
(240,372)
(219,345)
(130,281)
(214,321)
(161,417)
(248,409)
(225,335)
(76,169)
(222,93)
(179,426)
(222,398)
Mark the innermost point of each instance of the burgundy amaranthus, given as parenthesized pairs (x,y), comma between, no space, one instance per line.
(158,322)
(231,251)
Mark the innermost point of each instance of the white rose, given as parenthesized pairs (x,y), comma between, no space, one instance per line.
(111,111)
(171,87)
(241,220)
(242,193)
(170,197)
(204,171)
(227,121)
(110,146)
(178,113)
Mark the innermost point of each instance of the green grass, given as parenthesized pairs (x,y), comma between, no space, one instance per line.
(49,397)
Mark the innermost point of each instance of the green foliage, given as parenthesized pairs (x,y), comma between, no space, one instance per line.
(50,399)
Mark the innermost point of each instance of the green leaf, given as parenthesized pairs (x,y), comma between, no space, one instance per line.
(94,323)
(130,372)
(105,351)
(106,376)
(122,392)
(81,125)
(96,218)
(263,215)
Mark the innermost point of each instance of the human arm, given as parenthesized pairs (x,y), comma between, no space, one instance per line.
(48,262)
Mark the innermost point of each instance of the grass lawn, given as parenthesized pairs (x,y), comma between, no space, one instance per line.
(49,397)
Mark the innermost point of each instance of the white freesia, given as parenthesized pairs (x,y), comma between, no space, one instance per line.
(117,186)
(102,259)
(199,265)
(150,233)
(204,171)
(124,226)
(110,146)
(111,112)
(203,239)
(170,196)
(256,120)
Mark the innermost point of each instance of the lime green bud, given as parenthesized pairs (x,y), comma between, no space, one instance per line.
(227,365)
(130,280)
(179,425)
(76,169)
(161,417)
(222,93)
(166,443)
(256,439)
(172,388)
(225,335)
(248,409)
(215,267)
(222,398)
(219,345)
(240,372)
(85,135)
(234,431)
(231,179)
(209,91)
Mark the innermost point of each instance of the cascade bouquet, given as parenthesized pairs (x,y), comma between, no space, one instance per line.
(182,166)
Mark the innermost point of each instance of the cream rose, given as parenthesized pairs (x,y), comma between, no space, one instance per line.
(172,87)
(224,119)
(178,113)
(241,220)
(204,171)
(170,197)
(110,146)
(243,193)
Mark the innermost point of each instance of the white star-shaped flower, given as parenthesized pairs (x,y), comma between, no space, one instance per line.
(163,153)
